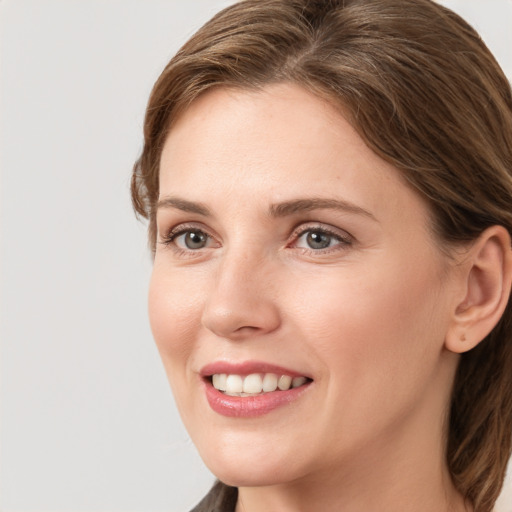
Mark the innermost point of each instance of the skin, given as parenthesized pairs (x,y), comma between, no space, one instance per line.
(366,318)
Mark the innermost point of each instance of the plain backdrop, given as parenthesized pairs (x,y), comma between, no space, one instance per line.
(87,419)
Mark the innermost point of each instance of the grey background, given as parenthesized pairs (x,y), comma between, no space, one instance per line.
(87,419)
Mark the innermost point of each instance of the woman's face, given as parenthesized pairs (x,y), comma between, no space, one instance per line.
(286,247)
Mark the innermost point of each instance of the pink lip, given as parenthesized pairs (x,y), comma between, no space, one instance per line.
(250,406)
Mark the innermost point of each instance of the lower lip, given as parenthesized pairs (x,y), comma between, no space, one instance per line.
(250,406)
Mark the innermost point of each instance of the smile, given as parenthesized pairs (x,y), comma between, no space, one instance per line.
(251,388)
(255,384)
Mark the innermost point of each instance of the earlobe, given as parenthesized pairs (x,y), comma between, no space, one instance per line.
(487,277)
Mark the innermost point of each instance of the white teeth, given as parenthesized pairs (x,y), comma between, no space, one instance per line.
(255,383)
(234,384)
(284,382)
(298,381)
(219,381)
(269,382)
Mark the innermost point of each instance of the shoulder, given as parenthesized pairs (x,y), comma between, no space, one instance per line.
(221,498)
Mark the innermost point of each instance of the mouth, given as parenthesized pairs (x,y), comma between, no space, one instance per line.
(251,389)
(255,384)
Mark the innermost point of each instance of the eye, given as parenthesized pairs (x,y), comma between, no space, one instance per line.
(318,239)
(191,240)
(188,239)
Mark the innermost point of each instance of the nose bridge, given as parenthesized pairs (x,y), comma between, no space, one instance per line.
(242,300)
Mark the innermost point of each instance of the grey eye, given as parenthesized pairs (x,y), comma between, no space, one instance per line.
(318,239)
(192,240)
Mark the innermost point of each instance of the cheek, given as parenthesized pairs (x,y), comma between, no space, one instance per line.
(175,307)
(378,338)
(174,315)
(370,325)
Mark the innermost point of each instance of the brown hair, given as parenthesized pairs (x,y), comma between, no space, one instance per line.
(424,92)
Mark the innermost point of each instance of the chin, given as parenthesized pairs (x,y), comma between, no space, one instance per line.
(249,467)
(249,476)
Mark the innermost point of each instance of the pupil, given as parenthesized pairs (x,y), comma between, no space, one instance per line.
(195,240)
(318,240)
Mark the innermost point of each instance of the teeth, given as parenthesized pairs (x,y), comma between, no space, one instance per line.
(219,381)
(298,381)
(269,382)
(284,382)
(234,384)
(255,383)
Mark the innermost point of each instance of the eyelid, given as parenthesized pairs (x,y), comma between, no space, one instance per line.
(174,232)
(321,226)
(344,237)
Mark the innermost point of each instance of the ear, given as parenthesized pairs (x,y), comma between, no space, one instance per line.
(486,280)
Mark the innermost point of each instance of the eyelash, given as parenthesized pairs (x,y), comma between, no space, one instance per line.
(169,240)
(343,241)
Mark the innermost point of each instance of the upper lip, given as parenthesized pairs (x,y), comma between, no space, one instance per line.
(246,368)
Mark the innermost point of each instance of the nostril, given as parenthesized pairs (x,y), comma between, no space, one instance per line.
(240,306)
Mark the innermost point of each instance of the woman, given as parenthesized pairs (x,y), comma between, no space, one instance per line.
(329,193)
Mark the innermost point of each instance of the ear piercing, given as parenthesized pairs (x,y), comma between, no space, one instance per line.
(462,337)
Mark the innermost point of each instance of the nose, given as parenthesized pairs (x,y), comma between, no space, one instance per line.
(242,302)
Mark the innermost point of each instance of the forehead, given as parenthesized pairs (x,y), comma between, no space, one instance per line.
(274,145)
(275,123)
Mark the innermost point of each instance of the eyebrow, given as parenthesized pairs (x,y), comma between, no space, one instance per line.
(183,205)
(309,204)
(283,209)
